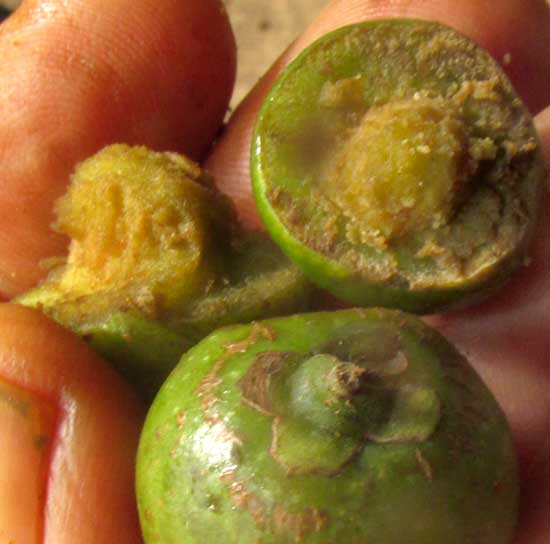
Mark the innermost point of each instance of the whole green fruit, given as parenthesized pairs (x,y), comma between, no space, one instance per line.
(357,426)
(395,164)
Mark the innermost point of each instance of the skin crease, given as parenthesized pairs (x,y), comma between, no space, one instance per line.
(92,101)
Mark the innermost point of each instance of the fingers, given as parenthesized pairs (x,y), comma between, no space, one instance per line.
(79,74)
(518,29)
(506,339)
(70,429)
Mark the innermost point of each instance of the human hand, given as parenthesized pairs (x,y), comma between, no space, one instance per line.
(75,81)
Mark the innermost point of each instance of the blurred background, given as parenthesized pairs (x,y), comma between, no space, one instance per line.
(263,29)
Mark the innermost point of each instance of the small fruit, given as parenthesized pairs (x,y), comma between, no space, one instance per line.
(395,164)
(357,426)
(157,261)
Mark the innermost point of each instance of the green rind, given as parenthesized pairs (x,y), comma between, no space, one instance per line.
(205,472)
(352,285)
(143,351)
(349,286)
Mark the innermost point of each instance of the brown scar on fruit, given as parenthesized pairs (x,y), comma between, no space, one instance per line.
(257,331)
(256,383)
(243,499)
(280,520)
(299,524)
(424,465)
(180,418)
(206,391)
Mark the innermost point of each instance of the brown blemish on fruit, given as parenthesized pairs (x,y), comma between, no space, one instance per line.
(243,499)
(161,430)
(240,496)
(257,331)
(180,419)
(298,524)
(282,522)
(256,383)
(206,390)
(424,465)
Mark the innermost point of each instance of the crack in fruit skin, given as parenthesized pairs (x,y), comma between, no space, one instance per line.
(220,471)
(394,163)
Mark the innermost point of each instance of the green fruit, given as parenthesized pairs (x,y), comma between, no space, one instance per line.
(156,262)
(395,164)
(358,426)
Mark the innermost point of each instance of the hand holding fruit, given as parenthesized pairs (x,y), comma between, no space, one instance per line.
(95,89)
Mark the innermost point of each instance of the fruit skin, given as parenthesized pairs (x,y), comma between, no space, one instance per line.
(319,104)
(237,449)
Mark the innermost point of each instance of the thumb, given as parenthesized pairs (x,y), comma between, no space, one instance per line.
(69,431)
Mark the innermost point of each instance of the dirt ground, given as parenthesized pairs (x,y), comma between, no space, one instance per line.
(10,4)
(263,29)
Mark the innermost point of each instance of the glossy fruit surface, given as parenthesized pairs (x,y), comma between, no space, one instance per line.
(357,426)
(395,164)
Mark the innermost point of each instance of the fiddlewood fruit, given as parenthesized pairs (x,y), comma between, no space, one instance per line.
(157,261)
(353,426)
(394,163)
